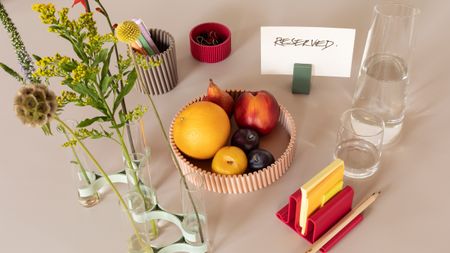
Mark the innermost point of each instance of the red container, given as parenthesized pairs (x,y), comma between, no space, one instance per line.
(211,53)
(323,219)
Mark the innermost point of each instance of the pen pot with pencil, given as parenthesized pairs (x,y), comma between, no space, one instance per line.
(153,53)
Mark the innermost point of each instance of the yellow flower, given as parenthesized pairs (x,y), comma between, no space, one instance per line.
(47,12)
(137,113)
(87,22)
(66,97)
(79,73)
(127,32)
(51,66)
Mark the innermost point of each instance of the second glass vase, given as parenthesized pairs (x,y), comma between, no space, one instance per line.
(384,74)
(139,181)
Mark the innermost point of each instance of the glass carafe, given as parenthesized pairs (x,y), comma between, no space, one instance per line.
(384,74)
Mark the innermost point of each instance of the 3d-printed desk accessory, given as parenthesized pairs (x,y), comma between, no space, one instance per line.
(163,77)
(156,213)
(210,42)
(301,79)
(322,219)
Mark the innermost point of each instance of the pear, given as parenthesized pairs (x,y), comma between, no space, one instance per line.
(219,97)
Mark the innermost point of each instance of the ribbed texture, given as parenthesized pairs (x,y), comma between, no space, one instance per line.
(211,54)
(160,79)
(247,182)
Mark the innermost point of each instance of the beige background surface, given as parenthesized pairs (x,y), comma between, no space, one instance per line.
(39,211)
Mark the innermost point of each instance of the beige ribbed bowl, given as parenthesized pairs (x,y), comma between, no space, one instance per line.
(246,182)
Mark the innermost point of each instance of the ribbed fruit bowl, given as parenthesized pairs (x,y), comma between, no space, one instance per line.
(281,142)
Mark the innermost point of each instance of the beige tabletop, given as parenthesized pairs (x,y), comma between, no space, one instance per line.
(39,210)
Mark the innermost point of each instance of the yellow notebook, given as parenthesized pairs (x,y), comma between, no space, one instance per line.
(321,188)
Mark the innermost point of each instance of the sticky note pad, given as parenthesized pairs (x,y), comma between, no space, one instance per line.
(301,80)
(319,189)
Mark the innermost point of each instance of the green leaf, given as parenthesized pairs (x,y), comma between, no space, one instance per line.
(101,57)
(68,67)
(12,72)
(122,117)
(105,68)
(79,51)
(47,129)
(131,80)
(55,27)
(88,122)
(36,57)
(105,83)
(119,126)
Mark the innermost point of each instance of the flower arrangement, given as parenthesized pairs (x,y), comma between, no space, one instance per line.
(90,81)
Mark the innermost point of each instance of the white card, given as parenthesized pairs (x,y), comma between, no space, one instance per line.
(329,50)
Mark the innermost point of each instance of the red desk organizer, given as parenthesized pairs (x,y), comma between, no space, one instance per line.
(322,219)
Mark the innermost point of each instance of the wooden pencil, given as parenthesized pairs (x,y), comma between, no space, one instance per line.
(342,223)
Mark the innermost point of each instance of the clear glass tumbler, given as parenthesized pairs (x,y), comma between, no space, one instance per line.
(384,73)
(359,142)
(193,206)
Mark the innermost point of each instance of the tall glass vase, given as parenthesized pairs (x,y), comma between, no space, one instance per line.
(384,74)
(139,181)
(84,178)
(83,172)
(135,138)
(193,206)
(142,234)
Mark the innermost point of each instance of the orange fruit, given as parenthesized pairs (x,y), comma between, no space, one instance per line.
(229,160)
(201,129)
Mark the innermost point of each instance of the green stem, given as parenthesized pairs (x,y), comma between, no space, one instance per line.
(88,7)
(116,53)
(177,165)
(105,175)
(124,109)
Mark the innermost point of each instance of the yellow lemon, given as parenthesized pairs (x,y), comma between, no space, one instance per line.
(229,160)
(201,129)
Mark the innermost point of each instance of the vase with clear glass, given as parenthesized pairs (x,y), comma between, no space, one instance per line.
(135,137)
(139,181)
(83,172)
(384,73)
(193,208)
(140,240)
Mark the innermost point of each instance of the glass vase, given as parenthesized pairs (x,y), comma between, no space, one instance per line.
(384,73)
(82,169)
(142,232)
(84,177)
(135,138)
(139,181)
(193,207)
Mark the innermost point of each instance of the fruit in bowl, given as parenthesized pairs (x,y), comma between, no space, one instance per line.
(259,159)
(201,129)
(246,139)
(218,96)
(257,110)
(281,143)
(229,160)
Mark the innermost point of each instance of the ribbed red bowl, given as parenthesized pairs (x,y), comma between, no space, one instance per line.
(213,53)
